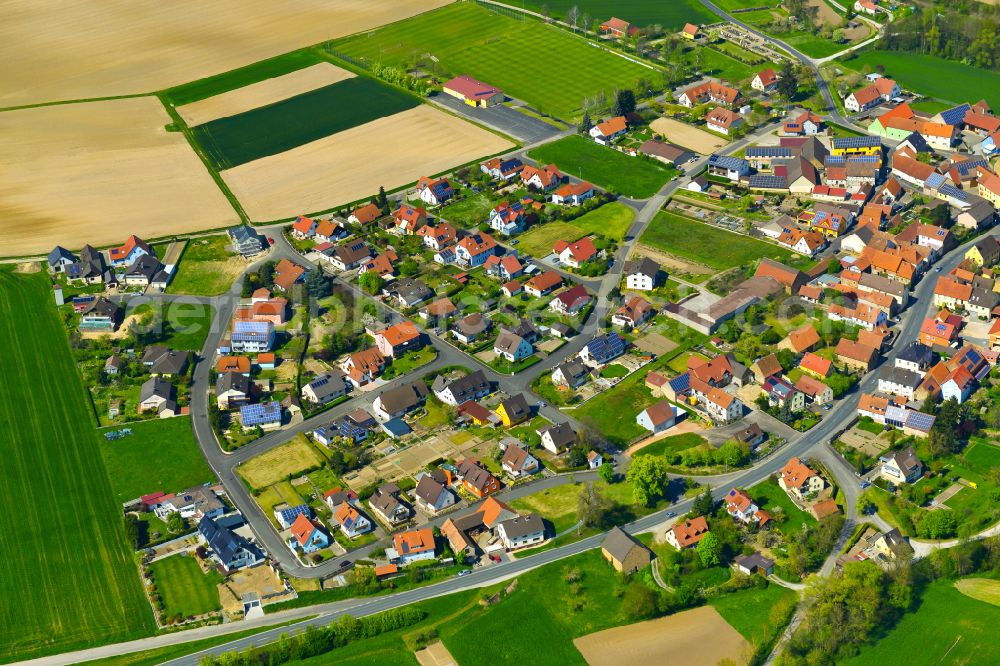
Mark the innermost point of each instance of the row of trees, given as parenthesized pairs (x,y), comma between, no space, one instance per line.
(969,33)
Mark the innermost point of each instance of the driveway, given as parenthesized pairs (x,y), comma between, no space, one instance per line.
(504,119)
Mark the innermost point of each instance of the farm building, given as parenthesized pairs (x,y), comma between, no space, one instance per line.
(473,92)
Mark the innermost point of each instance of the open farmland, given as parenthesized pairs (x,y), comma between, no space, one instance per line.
(671,15)
(96,172)
(708,245)
(298,120)
(66,51)
(263,93)
(700,634)
(946,80)
(334,170)
(634,177)
(68,580)
(547,67)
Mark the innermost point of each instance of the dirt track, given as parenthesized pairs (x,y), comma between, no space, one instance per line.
(54,50)
(697,637)
(97,172)
(263,93)
(352,164)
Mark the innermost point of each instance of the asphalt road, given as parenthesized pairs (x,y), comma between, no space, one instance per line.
(510,121)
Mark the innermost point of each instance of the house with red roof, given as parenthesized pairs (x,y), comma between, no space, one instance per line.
(618,28)
(439,236)
(396,340)
(475,249)
(740,506)
(307,536)
(816,365)
(407,219)
(766,80)
(384,265)
(287,273)
(570,301)
(634,312)
(609,130)
(505,268)
(508,218)
(303,227)
(882,90)
(365,214)
(805,124)
(133,248)
(723,120)
(710,91)
(473,92)
(543,178)
(573,194)
(799,480)
(688,533)
(690,31)
(576,253)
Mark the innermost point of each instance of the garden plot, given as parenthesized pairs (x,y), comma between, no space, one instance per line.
(262,93)
(688,136)
(333,170)
(700,634)
(65,51)
(96,172)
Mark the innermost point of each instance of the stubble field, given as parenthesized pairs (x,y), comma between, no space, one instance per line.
(68,580)
(341,167)
(55,50)
(262,93)
(97,172)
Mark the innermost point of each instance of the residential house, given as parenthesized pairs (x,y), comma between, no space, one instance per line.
(985,252)
(508,218)
(765,367)
(472,386)
(157,395)
(766,80)
(230,550)
(60,259)
(577,253)
(626,553)
(513,410)
(740,506)
(801,340)
(521,532)
(781,393)
(413,546)
(251,337)
(817,392)
(287,273)
(899,381)
(730,168)
(855,355)
(572,373)
(89,268)
(434,191)
(633,313)
(352,522)
(557,438)
(543,284)
(398,339)
(439,236)
(517,462)
(407,219)
(603,349)
(512,347)
(805,124)
(101,315)
(477,479)
(502,169)
(900,467)
(384,265)
(325,388)
(303,227)
(799,480)
(266,416)
(723,121)
(570,301)
(609,130)
(337,496)
(940,331)
(364,366)
(573,194)
(881,90)
(790,278)
(385,503)
(641,274)
(432,495)
(245,240)
(687,533)
(541,179)
(475,249)
(307,536)
(710,91)
(659,416)
(408,292)
(468,329)
(133,248)
(287,516)
(350,255)
(398,401)
(233,389)
(505,268)
(618,28)
(916,357)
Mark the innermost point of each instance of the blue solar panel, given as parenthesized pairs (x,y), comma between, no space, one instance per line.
(267,412)
(920,421)
(955,115)
(954,192)
(843,142)
(934,180)
(768,182)
(726,162)
(867,159)
(768,151)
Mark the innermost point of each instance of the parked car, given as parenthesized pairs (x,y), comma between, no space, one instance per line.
(865,484)
(465,572)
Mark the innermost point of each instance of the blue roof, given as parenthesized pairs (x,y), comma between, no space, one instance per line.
(243,326)
(955,115)
(954,193)
(224,543)
(727,162)
(768,182)
(59,252)
(680,383)
(355,432)
(920,421)
(607,346)
(289,515)
(267,412)
(768,151)
(396,427)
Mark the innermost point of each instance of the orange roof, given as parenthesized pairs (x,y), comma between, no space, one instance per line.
(303,224)
(370,359)
(303,528)
(569,189)
(478,243)
(239,364)
(949,288)
(287,273)
(810,386)
(345,513)
(795,473)
(827,507)
(803,338)
(400,333)
(386,569)
(491,510)
(545,281)
(612,126)
(417,541)
(690,29)
(738,500)
(582,250)
(719,397)
(723,117)
(690,531)
(767,76)
(874,404)
(367,213)
(265,358)
(855,351)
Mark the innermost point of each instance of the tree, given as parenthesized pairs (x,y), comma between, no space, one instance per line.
(708,549)
(132,530)
(371,282)
(317,284)
(788,84)
(624,103)
(175,522)
(585,123)
(639,602)
(648,476)
(584,22)
(833,266)
(865,506)
(703,504)
(573,16)
(591,506)
(607,473)
(383,200)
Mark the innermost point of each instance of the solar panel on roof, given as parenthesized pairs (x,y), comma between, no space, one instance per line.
(727,162)
(934,180)
(768,151)
(837,160)
(865,159)
(952,191)
(856,141)
(955,115)
(920,421)
(767,182)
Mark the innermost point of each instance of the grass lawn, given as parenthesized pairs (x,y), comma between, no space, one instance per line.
(770,496)
(68,580)
(159,455)
(673,444)
(184,588)
(470,211)
(206,268)
(438,414)
(714,63)
(612,413)
(983,589)
(946,80)
(268,130)
(747,611)
(671,15)
(952,629)
(708,245)
(409,362)
(275,465)
(185,325)
(557,505)
(634,177)
(526,59)
(614,371)
(611,221)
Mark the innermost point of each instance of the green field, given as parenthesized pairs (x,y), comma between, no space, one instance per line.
(184,325)
(68,578)
(159,455)
(185,590)
(206,268)
(708,245)
(238,78)
(770,496)
(611,221)
(746,609)
(721,65)
(947,80)
(634,177)
(671,15)
(292,122)
(951,629)
(547,67)
(673,444)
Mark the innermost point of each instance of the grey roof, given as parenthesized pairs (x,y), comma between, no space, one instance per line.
(980,210)
(883,284)
(643,265)
(983,298)
(727,162)
(754,561)
(987,244)
(766,182)
(60,253)
(327,384)
(522,526)
(152,353)
(750,433)
(410,290)
(473,324)
(171,363)
(146,265)
(102,307)
(404,397)
(428,489)
(516,406)
(573,369)
(562,434)
(620,543)
(232,381)
(917,142)
(90,264)
(668,151)
(386,502)
(155,386)
(353,252)
(917,352)
(225,543)
(507,341)
(467,387)
(900,376)
(524,329)
(906,460)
